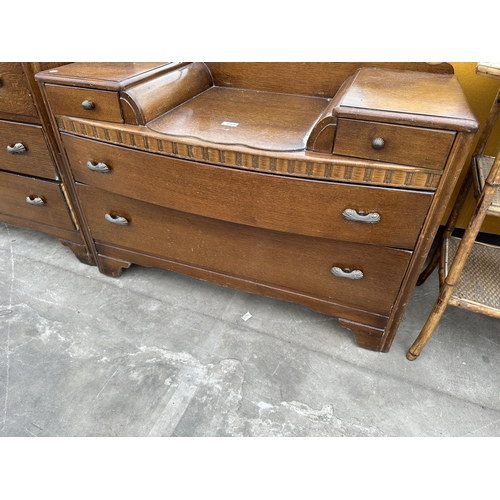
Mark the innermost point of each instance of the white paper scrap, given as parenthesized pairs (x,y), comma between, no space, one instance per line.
(246,316)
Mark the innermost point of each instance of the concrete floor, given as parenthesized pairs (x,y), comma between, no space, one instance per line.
(155,353)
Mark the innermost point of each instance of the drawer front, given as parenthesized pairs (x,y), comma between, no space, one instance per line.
(307,207)
(413,146)
(84,103)
(288,261)
(33,199)
(15,96)
(23,149)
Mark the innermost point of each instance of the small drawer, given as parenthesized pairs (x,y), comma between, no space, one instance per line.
(84,103)
(312,266)
(301,206)
(413,146)
(15,97)
(23,150)
(33,199)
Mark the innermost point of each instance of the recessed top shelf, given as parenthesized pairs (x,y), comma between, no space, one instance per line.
(262,120)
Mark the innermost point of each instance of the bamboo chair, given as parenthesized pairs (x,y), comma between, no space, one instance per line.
(469,272)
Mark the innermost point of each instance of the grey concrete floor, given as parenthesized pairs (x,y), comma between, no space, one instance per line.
(155,353)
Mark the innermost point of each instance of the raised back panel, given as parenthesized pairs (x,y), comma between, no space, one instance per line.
(319,79)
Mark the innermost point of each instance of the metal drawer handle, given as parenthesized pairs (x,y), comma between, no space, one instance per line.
(98,167)
(116,219)
(17,149)
(87,104)
(35,200)
(378,143)
(347,273)
(351,214)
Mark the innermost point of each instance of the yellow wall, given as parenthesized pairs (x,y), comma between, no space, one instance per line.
(480,92)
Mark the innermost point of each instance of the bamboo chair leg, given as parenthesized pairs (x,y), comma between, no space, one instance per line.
(430,267)
(450,226)
(431,323)
(446,289)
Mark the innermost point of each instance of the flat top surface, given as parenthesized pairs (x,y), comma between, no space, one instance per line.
(103,74)
(262,120)
(408,92)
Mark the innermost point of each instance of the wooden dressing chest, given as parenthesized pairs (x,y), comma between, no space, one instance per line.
(317,183)
(33,193)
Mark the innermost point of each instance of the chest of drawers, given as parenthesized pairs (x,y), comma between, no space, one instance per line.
(32,192)
(320,183)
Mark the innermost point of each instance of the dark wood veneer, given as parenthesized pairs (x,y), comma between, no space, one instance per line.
(30,161)
(241,174)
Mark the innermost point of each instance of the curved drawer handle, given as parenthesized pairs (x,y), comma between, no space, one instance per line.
(378,143)
(116,219)
(98,167)
(347,273)
(371,218)
(87,104)
(35,200)
(17,149)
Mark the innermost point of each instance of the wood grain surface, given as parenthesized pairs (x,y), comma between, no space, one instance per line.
(14,189)
(296,262)
(36,161)
(302,206)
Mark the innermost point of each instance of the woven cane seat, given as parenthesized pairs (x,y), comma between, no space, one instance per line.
(479,283)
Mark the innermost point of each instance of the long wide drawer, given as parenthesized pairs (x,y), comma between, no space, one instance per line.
(34,199)
(347,212)
(23,149)
(357,275)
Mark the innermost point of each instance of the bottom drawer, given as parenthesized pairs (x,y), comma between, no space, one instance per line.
(299,263)
(33,199)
